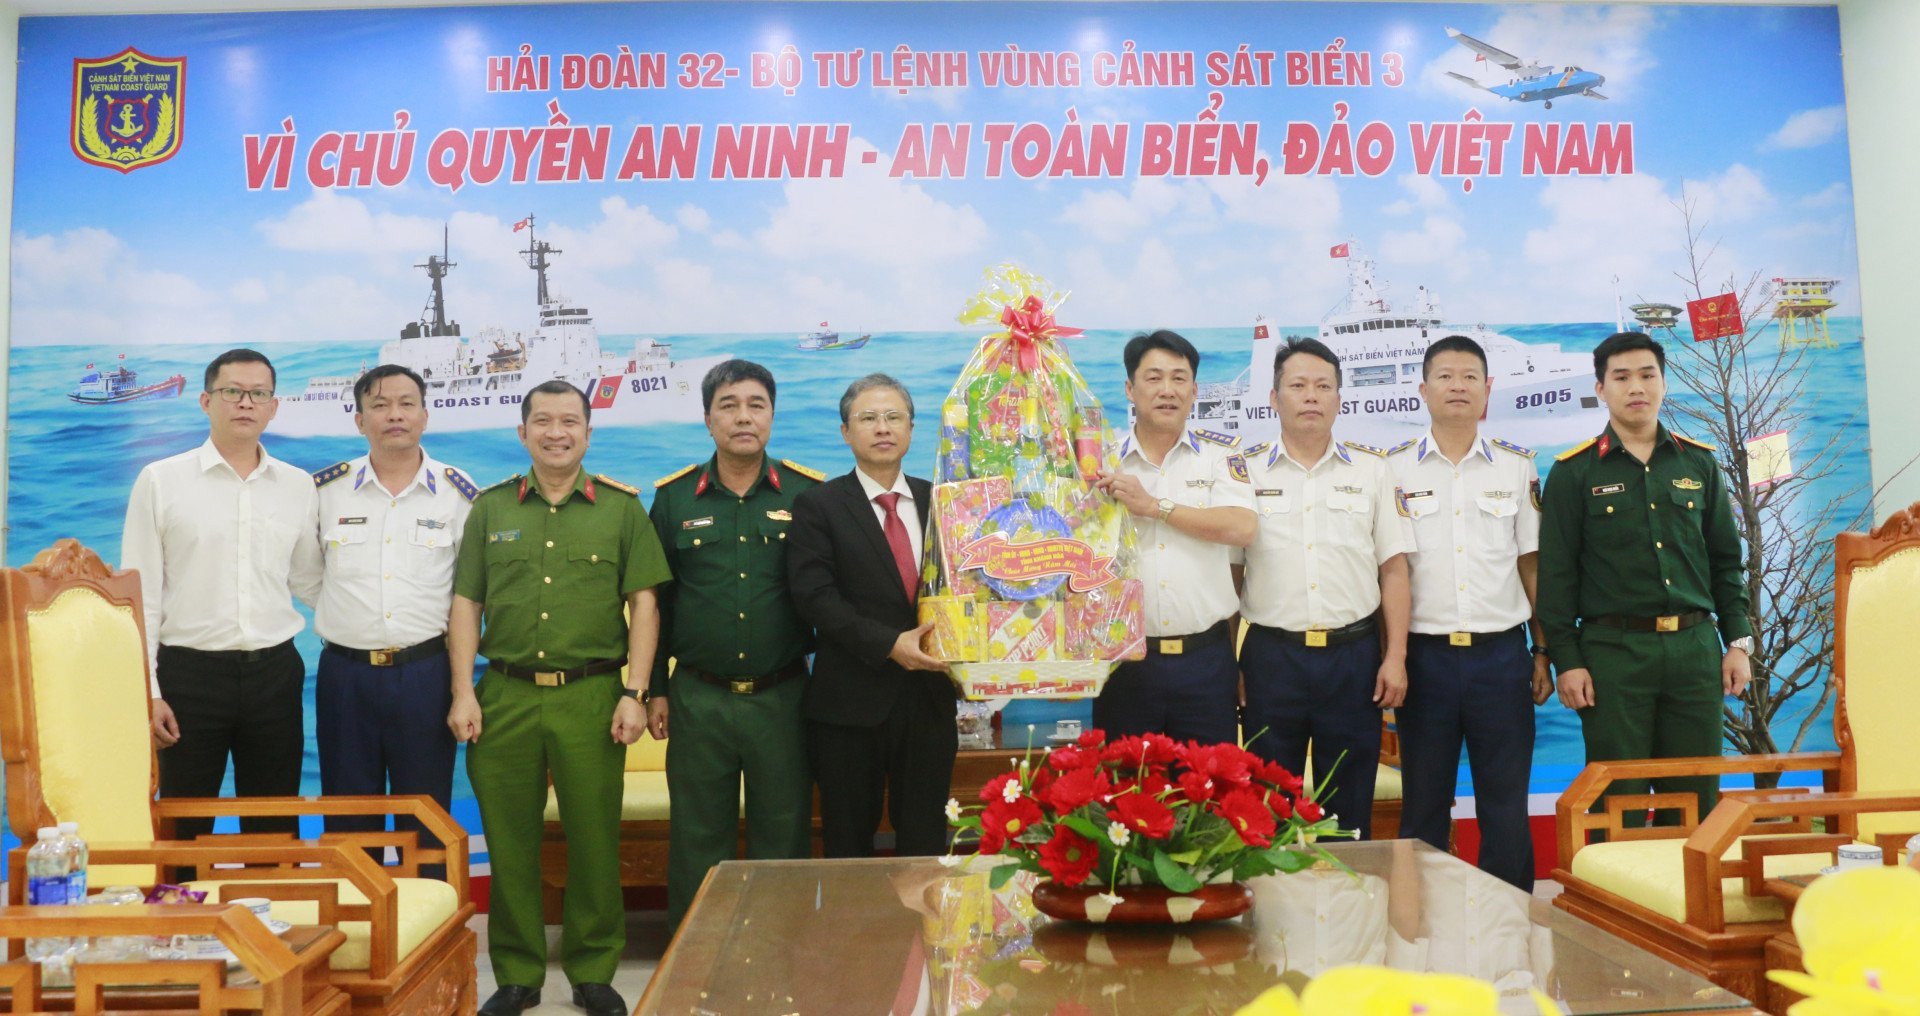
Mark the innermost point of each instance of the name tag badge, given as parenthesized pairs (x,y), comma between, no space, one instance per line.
(356,520)
(700,523)
(503,536)
(1609,488)
(1269,492)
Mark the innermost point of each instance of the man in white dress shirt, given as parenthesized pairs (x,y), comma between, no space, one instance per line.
(1187,490)
(1325,593)
(222,537)
(1476,530)
(389,527)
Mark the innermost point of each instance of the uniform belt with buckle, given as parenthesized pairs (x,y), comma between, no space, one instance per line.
(1469,638)
(1666,622)
(435,646)
(749,684)
(1321,638)
(556,678)
(1181,644)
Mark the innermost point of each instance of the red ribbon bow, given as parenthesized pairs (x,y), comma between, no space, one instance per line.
(1030,324)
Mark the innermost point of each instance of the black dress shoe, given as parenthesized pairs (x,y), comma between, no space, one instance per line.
(510,1000)
(599,1000)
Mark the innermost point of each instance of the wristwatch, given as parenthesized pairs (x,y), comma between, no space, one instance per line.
(1540,651)
(1744,643)
(640,695)
(1167,506)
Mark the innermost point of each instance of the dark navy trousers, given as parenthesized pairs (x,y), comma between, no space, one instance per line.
(1480,695)
(383,730)
(1299,694)
(1190,696)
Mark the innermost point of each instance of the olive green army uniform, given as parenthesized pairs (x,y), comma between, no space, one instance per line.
(740,660)
(553,580)
(1639,564)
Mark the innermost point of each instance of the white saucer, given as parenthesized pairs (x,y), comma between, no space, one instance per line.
(1063,738)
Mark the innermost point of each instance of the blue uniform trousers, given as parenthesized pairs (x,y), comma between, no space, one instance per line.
(1188,696)
(383,730)
(1481,695)
(1324,695)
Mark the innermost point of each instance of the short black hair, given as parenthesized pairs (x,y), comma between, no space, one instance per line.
(555,387)
(733,371)
(1171,341)
(1311,347)
(363,387)
(1452,344)
(240,355)
(1625,342)
(866,384)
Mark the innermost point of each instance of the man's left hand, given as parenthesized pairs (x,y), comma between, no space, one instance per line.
(1390,685)
(629,720)
(1735,672)
(1542,679)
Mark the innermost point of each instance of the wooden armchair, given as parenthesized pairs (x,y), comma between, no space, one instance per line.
(1697,894)
(76,743)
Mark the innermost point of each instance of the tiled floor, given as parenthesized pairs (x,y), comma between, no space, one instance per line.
(646,940)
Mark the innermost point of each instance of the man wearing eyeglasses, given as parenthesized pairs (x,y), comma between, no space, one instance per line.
(879,711)
(223,538)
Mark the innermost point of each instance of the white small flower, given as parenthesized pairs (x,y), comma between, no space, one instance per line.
(1113,899)
(953,809)
(1119,834)
(1011,792)
(952,860)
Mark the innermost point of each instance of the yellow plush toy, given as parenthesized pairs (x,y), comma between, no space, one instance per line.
(1859,935)
(1379,991)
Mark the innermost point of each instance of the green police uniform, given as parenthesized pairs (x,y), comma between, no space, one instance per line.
(739,649)
(1634,557)
(552,581)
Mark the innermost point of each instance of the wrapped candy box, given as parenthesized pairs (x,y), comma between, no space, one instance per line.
(1103,624)
(959,510)
(957,634)
(1023,632)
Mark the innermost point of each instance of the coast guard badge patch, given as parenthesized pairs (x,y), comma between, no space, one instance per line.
(129,109)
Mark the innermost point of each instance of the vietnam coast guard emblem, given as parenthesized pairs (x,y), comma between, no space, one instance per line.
(128,109)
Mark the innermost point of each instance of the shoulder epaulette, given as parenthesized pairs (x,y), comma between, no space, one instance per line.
(1225,440)
(330,474)
(515,478)
(1697,443)
(1256,449)
(812,474)
(675,475)
(1403,446)
(462,484)
(1510,446)
(1369,449)
(1576,449)
(616,484)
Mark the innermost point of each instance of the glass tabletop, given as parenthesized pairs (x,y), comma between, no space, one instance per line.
(912,935)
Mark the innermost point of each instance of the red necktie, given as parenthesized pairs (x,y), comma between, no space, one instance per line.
(902,546)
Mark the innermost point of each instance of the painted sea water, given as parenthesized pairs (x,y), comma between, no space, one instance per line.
(72,465)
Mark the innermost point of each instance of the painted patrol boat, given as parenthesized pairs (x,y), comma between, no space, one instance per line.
(477,382)
(122,384)
(1542,395)
(826,338)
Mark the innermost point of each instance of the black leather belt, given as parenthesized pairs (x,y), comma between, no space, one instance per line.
(1177,644)
(435,646)
(1321,638)
(236,655)
(556,678)
(1669,622)
(1466,638)
(749,684)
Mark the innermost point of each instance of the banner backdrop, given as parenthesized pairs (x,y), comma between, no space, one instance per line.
(622,195)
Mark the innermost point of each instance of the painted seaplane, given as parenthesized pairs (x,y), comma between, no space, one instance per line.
(1531,82)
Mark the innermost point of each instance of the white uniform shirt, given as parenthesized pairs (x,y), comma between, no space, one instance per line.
(388,582)
(1470,523)
(1325,530)
(220,556)
(905,508)
(1188,581)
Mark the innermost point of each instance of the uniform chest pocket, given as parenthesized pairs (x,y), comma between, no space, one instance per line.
(1273,502)
(1690,506)
(695,540)
(1195,493)
(774,531)
(507,553)
(1498,507)
(1348,502)
(431,535)
(592,555)
(346,536)
(1420,504)
(1602,507)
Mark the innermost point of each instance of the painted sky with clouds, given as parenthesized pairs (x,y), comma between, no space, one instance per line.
(1739,107)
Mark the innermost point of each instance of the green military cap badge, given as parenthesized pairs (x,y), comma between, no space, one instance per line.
(675,475)
(330,474)
(812,474)
(616,484)
(462,484)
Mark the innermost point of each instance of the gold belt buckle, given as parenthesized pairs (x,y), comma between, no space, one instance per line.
(741,686)
(381,657)
(1316,638)
(549,678)
(1172,647)
(1460,638)
(1670,622)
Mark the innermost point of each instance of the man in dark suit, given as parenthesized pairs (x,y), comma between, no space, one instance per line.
(879,711)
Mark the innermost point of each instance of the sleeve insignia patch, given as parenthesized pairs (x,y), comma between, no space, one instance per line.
(1237,468)
(1533,489)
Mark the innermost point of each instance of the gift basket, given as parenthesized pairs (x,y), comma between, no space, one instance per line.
(1030,582)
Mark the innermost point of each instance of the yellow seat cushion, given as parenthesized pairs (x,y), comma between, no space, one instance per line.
(647,755)
(1652,874)
(424,904)
(1881,696)
(644,798)
(1386,785)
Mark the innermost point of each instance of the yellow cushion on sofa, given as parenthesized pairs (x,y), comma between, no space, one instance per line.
(1652,874)
(1386,786)
(423,905)
(647,755)
(643,800)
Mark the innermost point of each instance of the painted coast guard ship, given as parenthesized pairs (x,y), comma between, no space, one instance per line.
(1542,395)
(476,382)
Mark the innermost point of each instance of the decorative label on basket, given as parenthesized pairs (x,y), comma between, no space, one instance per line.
(1022,562)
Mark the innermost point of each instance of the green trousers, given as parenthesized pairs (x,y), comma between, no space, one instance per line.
(528,733)
(718,738)
(1656,695)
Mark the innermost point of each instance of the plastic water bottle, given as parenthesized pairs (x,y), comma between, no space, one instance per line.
(77,854)
(48,867)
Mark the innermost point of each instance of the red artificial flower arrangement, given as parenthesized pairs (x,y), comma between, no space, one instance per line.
(1144,810)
